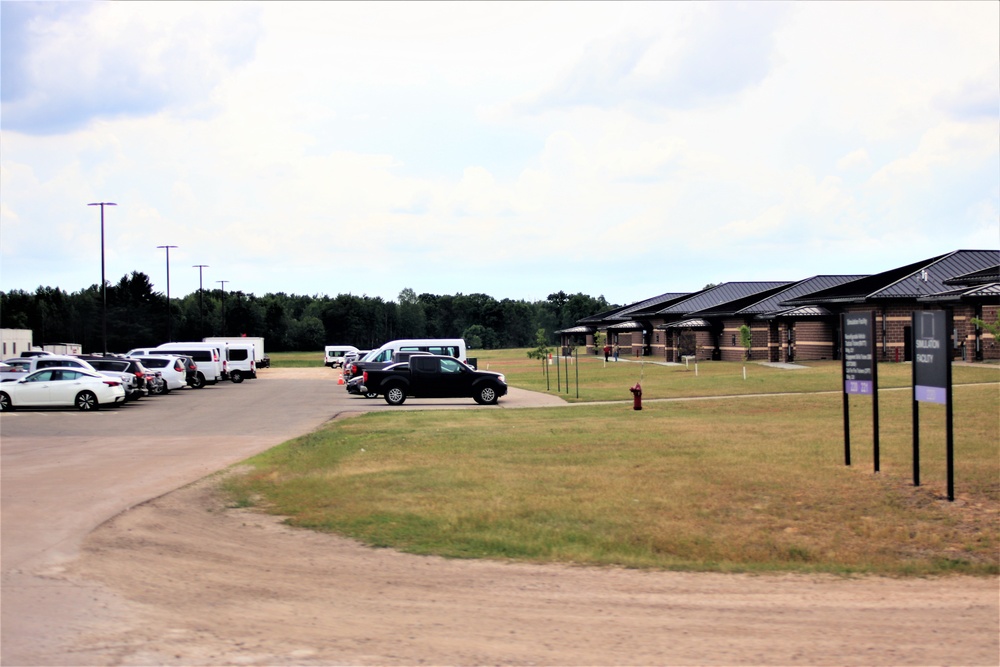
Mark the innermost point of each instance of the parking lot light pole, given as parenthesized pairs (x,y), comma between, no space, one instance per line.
(223,282)
(104,284)
(169,316)
(201,295)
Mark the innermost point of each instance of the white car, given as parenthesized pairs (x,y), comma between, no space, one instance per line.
(14,369)
(172,368)
(62,387)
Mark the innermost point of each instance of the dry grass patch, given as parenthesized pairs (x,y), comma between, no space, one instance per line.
(737,484)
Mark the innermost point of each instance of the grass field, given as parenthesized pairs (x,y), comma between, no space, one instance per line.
(737,483)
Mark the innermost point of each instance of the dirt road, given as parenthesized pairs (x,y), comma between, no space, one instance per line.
(183,580)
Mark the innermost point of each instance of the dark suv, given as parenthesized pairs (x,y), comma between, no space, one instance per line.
(123,365)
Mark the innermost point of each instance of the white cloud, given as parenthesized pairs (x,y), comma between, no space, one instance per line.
(511,148)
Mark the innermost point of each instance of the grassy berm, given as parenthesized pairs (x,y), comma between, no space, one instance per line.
(753,483)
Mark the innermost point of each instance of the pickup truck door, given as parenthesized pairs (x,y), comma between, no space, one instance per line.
(454,380)
(425,377)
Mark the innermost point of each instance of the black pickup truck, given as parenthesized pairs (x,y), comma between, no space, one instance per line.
(433,376)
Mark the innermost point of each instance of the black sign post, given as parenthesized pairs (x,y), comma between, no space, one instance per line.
(860,371)
(932,381)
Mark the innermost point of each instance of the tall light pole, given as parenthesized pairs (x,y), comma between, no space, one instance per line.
(169,316)
(201,295)
(223,304)
(104,284)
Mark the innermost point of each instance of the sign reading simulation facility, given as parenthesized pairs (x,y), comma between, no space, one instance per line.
(859,353)
(930,356)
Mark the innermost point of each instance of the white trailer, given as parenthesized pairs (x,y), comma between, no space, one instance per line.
(260,358)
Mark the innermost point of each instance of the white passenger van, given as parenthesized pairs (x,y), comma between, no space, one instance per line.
(451,347)
(240,362)
(333,355)
(210,357)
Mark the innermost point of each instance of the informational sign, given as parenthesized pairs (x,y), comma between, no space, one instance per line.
(930,356)
(860,372)
(859,353)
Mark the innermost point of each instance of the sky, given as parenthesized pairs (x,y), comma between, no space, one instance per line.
(512,149)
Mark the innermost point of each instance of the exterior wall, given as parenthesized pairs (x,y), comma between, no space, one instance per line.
(730,348)
(812,340)
(704,344)
(14,341)
(989,346)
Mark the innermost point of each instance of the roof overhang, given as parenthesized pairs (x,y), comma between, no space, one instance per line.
(695,323)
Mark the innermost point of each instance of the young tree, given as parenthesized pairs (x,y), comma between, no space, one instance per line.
(542,351)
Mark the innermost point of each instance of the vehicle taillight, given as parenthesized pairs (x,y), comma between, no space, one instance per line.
(178,366)
(364,377)
(112,383)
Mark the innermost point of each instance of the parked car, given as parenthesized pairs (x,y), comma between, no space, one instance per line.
(39,362)
(434,376)
(172,369)
(133,373)
(62,387)
(240,362)
(15,369)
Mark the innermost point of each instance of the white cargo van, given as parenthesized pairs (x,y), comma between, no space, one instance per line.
(333,355)
(210,357)
(451,347)
(241,364)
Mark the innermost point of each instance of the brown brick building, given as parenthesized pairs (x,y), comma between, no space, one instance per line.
(799,321)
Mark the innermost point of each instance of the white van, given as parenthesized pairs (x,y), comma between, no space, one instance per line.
(241,364)
(333,355)
(210,357)
(451,347)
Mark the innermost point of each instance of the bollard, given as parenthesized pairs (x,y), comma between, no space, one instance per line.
(636,396)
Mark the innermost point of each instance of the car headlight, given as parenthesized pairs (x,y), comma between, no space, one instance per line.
(503,379)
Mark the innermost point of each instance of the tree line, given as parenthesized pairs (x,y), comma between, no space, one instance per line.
(138,316)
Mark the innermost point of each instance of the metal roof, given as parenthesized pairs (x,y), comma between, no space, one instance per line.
(802,311)
(576,330)
(650,306)
(987,275)
(622,326)
(693,323)
(989,292)
(719,296)
(772,304)
(906,282)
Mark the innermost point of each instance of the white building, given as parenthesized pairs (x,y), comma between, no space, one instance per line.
(14,341)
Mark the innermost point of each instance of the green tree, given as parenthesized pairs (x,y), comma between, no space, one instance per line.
(542,350)
(746,340)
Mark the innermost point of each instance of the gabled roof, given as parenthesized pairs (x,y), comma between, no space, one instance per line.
(988,275)
(718,297)
(800,312)
(600,317)
(906,282)
(693,323)
(650,305)
(772,304)
(989,293)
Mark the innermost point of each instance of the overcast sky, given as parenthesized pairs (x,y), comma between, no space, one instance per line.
(513,149)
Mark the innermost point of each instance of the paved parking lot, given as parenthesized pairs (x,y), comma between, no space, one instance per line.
(65,472)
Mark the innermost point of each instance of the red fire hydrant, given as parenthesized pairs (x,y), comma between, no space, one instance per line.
(636,396)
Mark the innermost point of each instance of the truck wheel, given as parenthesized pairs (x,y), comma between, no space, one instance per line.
(5,404)
(486,395)
(236,376)
(198,382)
(395,395)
